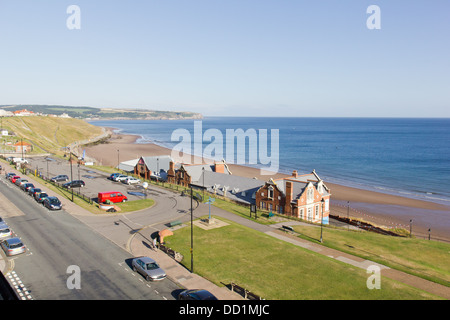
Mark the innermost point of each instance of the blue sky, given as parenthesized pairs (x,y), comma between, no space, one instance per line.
(232,58)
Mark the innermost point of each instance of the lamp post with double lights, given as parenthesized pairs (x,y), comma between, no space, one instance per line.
(321,222)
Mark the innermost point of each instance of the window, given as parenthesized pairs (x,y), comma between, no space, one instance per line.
(317,211)
(310,195)
(270,192)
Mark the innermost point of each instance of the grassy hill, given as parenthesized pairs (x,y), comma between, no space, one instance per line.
(50,134)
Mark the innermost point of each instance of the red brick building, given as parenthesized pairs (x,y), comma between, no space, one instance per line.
(305,197)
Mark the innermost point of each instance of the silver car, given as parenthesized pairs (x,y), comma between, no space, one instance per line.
(148,268)
(5,231)
(13,246)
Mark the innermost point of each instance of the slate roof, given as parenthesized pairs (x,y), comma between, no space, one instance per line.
(236,188)
(153,163)
(196,170)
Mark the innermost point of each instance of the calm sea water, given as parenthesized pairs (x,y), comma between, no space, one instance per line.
(409,157)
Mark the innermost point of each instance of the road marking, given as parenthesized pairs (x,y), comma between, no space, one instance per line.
(18,285)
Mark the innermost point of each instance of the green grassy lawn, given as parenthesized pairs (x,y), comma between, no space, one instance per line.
(50,133)
(424,258)
(241,211)
(276,270)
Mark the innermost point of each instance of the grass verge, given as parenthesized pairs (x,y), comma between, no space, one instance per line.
(277,270)
(423,258)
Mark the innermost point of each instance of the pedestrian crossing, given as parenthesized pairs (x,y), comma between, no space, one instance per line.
(19,287)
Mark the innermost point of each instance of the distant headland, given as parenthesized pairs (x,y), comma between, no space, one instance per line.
(92,113)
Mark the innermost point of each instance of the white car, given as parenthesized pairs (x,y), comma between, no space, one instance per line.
(131,180)
(120,177)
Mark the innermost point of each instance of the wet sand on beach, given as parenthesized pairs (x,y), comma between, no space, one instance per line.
(375,207)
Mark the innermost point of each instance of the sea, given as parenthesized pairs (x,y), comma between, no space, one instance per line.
(409,157)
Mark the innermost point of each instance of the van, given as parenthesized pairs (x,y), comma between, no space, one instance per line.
(113,196)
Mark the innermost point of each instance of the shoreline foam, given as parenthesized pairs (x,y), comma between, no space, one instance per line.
(129,149)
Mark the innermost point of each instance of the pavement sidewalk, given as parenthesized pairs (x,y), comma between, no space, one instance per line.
(140,246)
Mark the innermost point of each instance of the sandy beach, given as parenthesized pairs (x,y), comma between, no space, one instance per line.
(375,207)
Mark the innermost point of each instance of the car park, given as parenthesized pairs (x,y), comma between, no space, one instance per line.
(74,184)
(5,231)
(52,203)
(40,197)
(59,178)
(148,268)
(131,180)
(196,294)
(13,246)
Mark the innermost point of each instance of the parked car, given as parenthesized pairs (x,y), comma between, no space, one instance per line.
(131,180)
(40,197)
(113,196)
(20,182)
(148,268)
(113,175)
(5,231)
(74,184)
(13,246)
(52,203)
(26,186)
(33,191)
(59,178)
(14,178)
(196,294)
(9,175)
(120,177)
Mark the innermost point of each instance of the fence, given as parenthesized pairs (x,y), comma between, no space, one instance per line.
(60,186)
(244,292)
(172,253)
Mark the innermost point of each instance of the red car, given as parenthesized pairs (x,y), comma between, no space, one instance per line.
(13,179)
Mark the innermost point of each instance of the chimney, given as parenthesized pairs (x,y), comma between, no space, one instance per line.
(219,167)
(289,196)
(295,174)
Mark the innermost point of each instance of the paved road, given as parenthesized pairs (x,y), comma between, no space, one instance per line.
(57,240)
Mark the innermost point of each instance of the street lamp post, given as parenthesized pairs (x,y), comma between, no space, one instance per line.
(192,236)
(71,172)
(321,223)
(348,215)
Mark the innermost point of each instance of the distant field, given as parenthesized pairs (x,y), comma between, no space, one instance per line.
(277,270)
